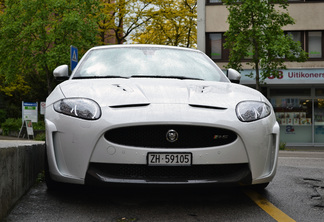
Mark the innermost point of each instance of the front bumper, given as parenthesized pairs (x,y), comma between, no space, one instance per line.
(78,150)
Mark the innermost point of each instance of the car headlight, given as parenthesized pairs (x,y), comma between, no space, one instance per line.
(78,107)
(249,111)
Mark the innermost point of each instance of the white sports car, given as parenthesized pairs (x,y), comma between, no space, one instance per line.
(149,114)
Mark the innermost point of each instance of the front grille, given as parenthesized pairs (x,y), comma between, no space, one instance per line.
(155,136)
(222,173)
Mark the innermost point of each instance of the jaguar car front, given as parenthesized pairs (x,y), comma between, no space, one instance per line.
(148,114)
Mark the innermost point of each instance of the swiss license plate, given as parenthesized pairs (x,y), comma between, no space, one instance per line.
(169,159)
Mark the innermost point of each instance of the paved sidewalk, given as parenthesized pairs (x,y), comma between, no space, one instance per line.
(17,143)
(11,138)
(305,148)
(8,141)
(302,154)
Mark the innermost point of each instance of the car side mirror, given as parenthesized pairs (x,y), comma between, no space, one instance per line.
(61,72)
(233,75)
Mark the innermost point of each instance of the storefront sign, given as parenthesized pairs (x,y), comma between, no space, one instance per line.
(290,76)
(290,129)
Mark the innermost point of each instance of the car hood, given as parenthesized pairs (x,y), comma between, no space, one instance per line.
(129,92)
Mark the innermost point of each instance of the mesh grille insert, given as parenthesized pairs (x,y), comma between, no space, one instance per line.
(155,136)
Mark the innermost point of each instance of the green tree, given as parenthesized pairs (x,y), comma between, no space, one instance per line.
(173,22)
(119,18)
(35,36)
(2,6)
(11,94)
(255,31)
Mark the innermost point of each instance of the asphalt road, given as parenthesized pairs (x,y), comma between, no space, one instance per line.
(296,194)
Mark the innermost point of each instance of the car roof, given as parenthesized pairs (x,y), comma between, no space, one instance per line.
(143,45)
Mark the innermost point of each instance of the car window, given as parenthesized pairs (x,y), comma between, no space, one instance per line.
(148,62)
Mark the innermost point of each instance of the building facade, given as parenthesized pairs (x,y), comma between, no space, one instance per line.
(297,95)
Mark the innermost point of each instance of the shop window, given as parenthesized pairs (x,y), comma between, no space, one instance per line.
(295,118)
(319,91)
(315,45)
(319,121)
(290,92)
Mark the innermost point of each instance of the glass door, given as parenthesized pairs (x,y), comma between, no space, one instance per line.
(319,120)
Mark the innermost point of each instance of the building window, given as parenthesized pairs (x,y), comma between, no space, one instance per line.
(314,42)
(214,1)
(315,45)
(305,1)
(289,1)
(311,41)
(296,36)
(215,46)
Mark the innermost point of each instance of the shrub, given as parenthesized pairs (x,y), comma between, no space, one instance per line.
(39,126)
(11,124)
(282,146)
(3,116)
(40,137)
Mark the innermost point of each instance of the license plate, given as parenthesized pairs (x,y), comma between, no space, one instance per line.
(169,159)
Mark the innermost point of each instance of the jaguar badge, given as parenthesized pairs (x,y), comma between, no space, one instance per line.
(172,136)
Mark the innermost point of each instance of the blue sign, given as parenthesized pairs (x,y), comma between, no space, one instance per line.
(74,57)
(290,129)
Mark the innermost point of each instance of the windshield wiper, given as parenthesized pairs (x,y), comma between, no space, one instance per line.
(99,77)
(166,77)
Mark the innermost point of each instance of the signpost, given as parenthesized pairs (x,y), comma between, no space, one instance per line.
(29,115)
(42,108)
(30,111)
(29,127)
(74,57)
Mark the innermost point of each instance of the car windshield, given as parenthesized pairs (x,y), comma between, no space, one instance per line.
(148,62)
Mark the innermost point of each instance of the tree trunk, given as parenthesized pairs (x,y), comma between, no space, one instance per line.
(257,77)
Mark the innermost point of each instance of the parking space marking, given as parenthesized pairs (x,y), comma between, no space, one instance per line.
(268,207)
